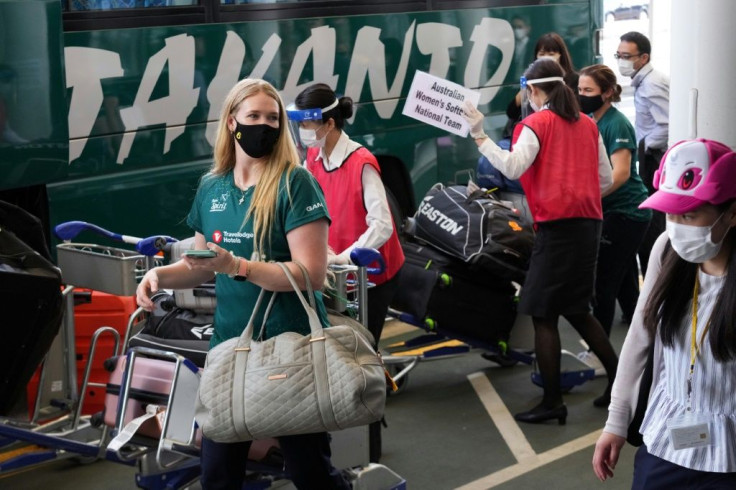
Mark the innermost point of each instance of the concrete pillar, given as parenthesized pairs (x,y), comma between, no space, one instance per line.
(703,71)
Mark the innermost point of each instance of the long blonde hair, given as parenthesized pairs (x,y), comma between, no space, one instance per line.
(283,159)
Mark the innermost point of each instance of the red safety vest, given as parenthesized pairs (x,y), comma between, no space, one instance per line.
(562,182)
(343,188)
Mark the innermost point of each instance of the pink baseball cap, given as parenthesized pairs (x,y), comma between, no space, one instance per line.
(691,173)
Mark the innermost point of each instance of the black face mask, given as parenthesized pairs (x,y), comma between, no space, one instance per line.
(256,140)
(591,104)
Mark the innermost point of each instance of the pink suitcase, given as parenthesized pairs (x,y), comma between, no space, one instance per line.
(152,384)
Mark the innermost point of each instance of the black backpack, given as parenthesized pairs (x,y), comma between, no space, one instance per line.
(169,321)
(485,232)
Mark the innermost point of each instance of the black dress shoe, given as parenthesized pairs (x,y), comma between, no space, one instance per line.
(540,413)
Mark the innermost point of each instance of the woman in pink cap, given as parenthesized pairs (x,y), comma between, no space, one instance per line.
(687,309)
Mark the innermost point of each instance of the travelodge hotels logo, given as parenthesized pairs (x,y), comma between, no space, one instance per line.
(219,236)
(87,68)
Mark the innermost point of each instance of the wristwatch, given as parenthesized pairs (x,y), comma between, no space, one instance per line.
(236,274)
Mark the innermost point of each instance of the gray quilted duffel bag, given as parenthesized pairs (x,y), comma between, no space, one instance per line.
(290,384)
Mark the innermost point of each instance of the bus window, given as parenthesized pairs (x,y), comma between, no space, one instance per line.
(77,5)
(232,2)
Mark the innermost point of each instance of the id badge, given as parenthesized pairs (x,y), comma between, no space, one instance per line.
(689,430)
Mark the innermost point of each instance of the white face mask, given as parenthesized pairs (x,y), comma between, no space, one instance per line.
(520,33)
(626,67)
(693,243)
(554,57)
(534,106)
(309,139)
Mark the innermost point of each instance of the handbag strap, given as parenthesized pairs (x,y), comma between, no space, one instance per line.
(266,314)
(314,324)
(247,334)
(310,290)
(319,353)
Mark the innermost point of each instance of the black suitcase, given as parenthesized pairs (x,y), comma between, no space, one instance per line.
(446,295)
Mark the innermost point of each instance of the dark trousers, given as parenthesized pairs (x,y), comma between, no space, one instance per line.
(653,473)
(648,164)
(628,293)
(620,239)
(307,459)
(379,299)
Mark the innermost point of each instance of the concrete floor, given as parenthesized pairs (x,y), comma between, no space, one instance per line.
(440,434)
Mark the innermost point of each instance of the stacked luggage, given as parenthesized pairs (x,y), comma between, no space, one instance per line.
(464,251)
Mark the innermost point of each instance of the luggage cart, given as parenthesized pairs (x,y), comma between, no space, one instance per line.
(170,459)
(401,358)
(57,429)
(441,289)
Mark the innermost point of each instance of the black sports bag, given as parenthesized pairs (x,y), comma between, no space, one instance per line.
(479,229)
(169,321)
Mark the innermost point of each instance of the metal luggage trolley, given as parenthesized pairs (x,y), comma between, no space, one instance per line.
(57,429)
(170,458)
(401,358)
(171,461)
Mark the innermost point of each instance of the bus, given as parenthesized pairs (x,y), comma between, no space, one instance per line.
(108,108)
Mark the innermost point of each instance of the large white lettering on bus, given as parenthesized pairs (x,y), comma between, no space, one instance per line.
(490,32)
(87,67)
(228,72)
(87,93)
(369,60)
(171,110)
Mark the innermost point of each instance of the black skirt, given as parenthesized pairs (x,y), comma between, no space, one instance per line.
(561,276)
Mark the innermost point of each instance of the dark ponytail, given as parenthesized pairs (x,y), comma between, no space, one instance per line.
(320,95)
(561,99)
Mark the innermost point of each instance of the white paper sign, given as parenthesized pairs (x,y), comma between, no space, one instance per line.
(439,102)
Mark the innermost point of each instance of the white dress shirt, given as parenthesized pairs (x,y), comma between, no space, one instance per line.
(378,217)
(652,104)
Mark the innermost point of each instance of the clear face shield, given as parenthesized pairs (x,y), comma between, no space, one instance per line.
(526,110)
(307,126)
(528,106)
(297,120)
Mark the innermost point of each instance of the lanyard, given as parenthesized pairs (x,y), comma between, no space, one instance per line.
(693,342)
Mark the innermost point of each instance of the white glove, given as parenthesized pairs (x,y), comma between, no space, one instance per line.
(337,259)
(475,120)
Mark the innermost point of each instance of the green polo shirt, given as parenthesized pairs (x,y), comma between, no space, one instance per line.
(218,213)
(618,133)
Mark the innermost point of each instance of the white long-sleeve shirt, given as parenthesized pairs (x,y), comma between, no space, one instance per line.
(714,383)
(378,217)
(652,104)
(514,163)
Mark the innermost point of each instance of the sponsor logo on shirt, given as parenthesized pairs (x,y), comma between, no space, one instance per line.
(219,204)
(314,207)
(235,236)
(217,236)
(622,140)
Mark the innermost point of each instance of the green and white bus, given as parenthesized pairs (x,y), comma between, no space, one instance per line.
(109,106)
